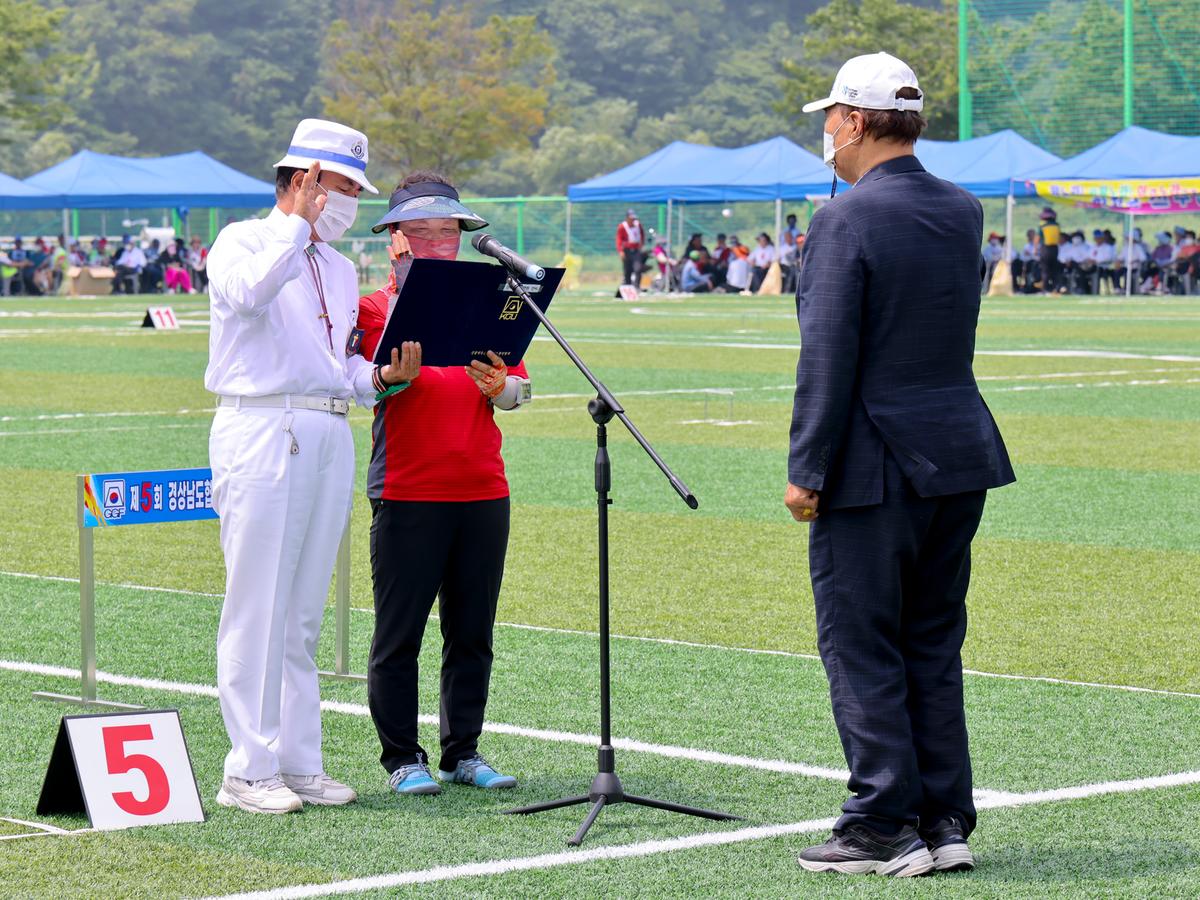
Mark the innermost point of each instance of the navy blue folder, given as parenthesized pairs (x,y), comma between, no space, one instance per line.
(461,310)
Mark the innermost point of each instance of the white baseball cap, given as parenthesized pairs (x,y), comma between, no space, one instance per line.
(336,147)
(871,82)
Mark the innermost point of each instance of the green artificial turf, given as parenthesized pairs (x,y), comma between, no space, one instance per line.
(1087,569)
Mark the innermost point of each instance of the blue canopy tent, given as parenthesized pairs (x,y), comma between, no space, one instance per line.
(1132,153)
(769,170)
(776,169)
(97,181)
(989,166)
(1137,171)
(15,194)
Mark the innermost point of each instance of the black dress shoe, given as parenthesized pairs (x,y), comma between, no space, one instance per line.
(948,846)
(859,850)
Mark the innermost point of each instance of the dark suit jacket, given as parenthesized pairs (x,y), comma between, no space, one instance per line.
(888,301)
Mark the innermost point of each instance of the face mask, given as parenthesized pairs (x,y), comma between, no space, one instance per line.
(830,152)
(1076,241)
(831,149)
(336,218)
(435,248)
(422,248)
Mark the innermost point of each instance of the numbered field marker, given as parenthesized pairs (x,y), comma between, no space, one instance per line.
(161,318)
(123,770)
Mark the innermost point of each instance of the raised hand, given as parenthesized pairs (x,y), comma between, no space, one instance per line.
(310,199)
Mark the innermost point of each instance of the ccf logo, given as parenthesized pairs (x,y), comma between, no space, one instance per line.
(114,498)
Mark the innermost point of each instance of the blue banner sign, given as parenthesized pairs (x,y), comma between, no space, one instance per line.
(141,498)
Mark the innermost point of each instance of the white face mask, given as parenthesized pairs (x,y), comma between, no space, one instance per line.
(336,218)
(830,148)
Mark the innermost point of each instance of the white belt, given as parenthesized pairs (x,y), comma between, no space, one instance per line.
(332,405)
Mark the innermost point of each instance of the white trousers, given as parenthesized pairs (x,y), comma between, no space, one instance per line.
(282,517)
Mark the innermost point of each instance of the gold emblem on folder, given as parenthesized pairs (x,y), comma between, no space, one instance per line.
(512,309)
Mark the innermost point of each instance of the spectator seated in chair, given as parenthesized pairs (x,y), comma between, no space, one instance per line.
(175,272)
(128,268)
(694,279)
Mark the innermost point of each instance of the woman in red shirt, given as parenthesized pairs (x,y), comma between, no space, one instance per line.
(440,515)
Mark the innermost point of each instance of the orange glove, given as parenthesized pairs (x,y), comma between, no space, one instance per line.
(489,379)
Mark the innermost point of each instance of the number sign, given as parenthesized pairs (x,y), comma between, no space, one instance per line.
(123,770)
(161,318)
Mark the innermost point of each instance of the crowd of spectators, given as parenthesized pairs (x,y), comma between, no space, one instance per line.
(730,266)
(131,267)
(1055,261)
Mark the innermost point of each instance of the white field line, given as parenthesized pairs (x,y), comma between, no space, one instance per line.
(540,734)
(40,826)
(755,651)
(689,842)
(56,417)
(146,427)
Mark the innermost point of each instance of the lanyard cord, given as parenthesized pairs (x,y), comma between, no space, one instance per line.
(310,252)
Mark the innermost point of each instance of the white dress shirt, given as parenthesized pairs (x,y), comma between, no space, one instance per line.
(268,335)
(132,258)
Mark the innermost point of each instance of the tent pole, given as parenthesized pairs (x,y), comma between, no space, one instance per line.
(1129,256)
(567,239)
(66,223)
(1008,223)
(778,221)
(667,231)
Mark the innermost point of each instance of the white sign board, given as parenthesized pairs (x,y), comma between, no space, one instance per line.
(123,770)
(162,318)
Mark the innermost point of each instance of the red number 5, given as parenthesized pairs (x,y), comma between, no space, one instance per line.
(119,763)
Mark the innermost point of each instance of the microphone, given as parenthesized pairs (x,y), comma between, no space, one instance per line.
(489,246)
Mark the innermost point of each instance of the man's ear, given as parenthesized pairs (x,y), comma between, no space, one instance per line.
(297,180)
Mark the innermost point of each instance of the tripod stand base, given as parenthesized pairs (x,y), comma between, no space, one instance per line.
(607,790)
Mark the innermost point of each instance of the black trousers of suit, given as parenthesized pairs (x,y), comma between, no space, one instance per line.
(421,551)
(890,583)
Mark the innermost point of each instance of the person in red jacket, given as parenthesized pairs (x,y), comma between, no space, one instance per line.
(629,247)
(440,515)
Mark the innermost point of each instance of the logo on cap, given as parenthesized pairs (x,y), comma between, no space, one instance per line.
(417,203)
(357,150)
(850,92)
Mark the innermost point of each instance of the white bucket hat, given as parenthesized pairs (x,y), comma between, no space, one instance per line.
(871,82)
(336,147)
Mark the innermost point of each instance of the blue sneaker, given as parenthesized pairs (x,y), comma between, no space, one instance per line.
(476,771)
(414,779)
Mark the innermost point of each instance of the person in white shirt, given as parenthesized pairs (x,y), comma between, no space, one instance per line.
(282,363)
(761,258)
(1131,262)
(1072,256)
(1099,263)
(737,275)
(128,268)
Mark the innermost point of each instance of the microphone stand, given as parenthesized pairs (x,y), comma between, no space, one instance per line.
(606,788)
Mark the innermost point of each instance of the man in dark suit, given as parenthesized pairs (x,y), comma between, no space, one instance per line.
(892,453)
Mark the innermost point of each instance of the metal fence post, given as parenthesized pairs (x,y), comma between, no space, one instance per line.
(341,614)
(87,616)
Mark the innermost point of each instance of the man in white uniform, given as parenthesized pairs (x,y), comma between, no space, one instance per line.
(282,364)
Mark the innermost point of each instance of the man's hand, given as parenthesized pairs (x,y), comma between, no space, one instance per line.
(489,379)
(405,364)
(801,503)
(310,199)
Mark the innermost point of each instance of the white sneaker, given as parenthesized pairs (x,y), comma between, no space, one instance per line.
(320,789)
(267,795)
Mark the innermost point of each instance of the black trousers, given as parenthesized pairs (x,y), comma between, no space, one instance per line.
(1051,270)
(890,583)
(419,551)
(631,267)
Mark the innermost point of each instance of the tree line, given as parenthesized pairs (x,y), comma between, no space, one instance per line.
(513,97)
